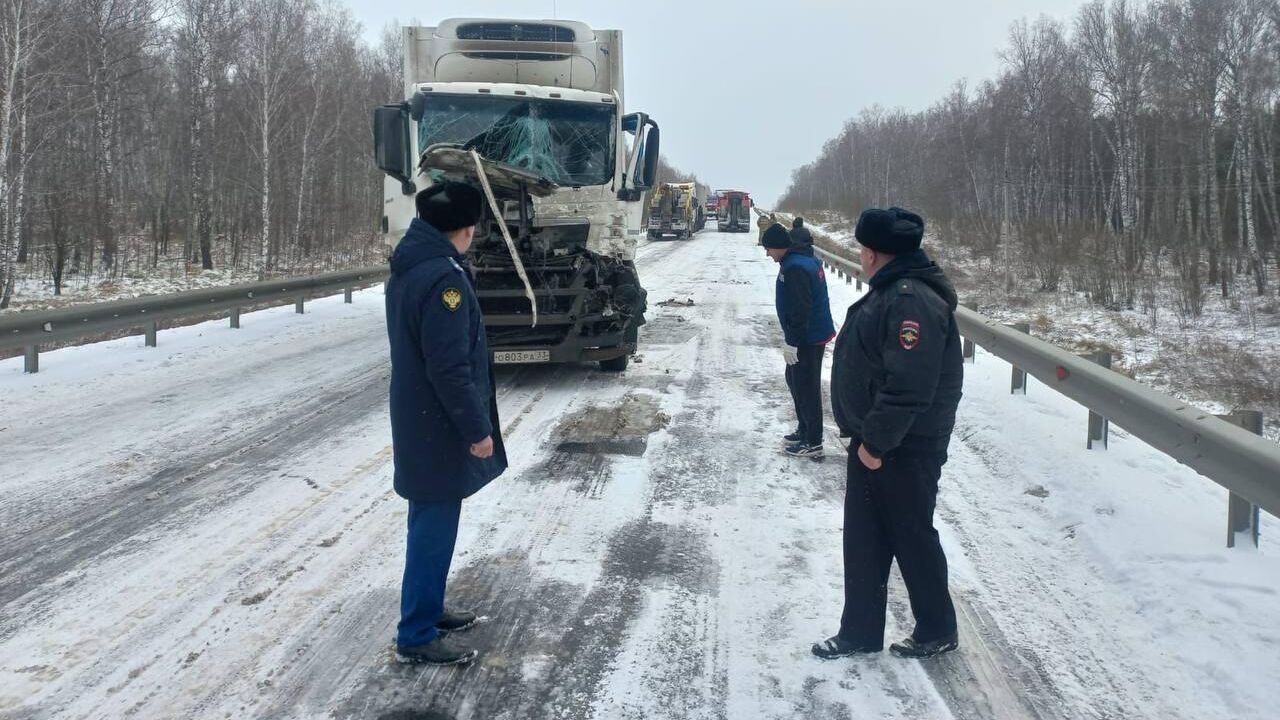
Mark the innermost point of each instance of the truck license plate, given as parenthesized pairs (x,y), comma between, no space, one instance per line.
(515,357)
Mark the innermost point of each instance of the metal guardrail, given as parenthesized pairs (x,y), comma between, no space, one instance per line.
(1247,465)
(29,330)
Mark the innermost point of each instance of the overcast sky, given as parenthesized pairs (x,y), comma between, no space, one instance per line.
(747,91)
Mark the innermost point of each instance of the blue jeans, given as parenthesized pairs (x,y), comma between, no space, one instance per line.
(433,531)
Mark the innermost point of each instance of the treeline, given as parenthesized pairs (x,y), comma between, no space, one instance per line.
(225,133)
(1137,143)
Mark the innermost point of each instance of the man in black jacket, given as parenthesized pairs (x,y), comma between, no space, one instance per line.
(445,435)
(895,386)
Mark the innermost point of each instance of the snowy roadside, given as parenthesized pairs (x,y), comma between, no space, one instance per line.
(34,289)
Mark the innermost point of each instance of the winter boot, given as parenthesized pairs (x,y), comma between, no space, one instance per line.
(799,449)
(837,647)
(440,651)
(910,648)
(457,621)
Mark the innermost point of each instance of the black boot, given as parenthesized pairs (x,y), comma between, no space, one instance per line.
(910,648)
(804,450)
(440,651)
(837,647)
(456,621)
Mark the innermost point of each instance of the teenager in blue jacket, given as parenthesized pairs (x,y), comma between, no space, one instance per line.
(446,439)
(804,311)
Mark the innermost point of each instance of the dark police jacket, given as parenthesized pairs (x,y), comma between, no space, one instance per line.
(442,393)
(804,308)
(897,370)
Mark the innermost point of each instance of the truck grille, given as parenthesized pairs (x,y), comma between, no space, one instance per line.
(516,32)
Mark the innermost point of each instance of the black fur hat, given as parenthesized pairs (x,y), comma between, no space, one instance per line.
(894,231)
(449,206)
(776,237)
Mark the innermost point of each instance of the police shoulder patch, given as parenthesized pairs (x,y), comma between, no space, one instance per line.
(452,299)
(909,334)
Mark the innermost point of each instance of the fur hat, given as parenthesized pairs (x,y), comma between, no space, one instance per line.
(449,206)
(894,231)
(776,237)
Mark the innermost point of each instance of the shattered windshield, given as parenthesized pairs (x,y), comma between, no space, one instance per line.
(570,143)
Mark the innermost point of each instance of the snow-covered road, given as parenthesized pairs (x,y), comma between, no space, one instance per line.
(207,529)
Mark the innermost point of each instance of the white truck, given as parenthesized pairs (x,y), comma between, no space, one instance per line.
(539,105)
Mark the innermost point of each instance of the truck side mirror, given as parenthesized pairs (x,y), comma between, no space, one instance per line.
(642,166)
(391,144)
(649,173)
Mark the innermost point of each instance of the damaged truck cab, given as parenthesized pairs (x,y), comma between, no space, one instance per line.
(538,106)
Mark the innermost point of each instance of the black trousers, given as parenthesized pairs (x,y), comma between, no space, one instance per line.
(888,514)
(804,379)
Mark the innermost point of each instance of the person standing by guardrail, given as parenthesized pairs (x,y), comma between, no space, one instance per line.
(764,222)
(804,310)
(801,238)
(895,385)
(445,433)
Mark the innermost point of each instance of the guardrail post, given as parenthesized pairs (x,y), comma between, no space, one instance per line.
(298,307)
(151,329)
(1242,515)
(1018,384)
(235,318)
(346,295)
(31,359)
(1099,427)
(967,347)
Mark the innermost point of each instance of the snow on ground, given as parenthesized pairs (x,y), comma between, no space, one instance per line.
(135,276)
(207,529)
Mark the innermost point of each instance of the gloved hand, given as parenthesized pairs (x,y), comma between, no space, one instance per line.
(790,354)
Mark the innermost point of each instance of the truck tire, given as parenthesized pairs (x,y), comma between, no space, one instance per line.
(615,365)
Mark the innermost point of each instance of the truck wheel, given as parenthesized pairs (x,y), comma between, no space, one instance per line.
(617,364)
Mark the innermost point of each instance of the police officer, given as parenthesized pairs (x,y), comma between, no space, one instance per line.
(895,385)
(804,311)
(444,414)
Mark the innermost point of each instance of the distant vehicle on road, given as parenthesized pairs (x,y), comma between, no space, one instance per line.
(675,209)
(734,212)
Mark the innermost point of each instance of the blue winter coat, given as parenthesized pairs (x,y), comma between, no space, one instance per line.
(804,308)
(442,392)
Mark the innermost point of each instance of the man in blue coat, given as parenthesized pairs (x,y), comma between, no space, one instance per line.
(804,311)
(446,438)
